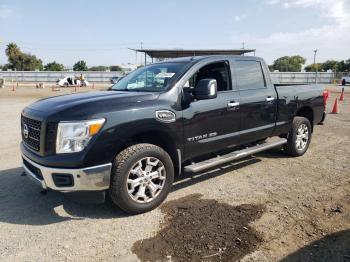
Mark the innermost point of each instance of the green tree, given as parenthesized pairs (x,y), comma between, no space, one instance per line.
(330,65)
(21,61)
(53,66)
(115,68)
(313,67)
(344,66)
(80,66)
(13,53)
(4,67)
(289,63)
(335,66)
(99,68)
(30,63)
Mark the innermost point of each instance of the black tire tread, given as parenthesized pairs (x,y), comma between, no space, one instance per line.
(290,148)
(117,176)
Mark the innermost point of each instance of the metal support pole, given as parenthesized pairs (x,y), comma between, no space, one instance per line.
(145,58)
(141,44)
(315,52)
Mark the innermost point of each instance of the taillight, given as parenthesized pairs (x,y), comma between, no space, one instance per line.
(325,96)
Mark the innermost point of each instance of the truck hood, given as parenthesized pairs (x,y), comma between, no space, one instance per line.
(87,105)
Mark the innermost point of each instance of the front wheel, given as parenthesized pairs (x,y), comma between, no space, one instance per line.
(299,137)
(142,176)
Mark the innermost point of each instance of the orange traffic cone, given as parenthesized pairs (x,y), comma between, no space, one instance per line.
(342,98)
(335,107)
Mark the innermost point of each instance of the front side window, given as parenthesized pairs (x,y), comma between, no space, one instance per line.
(151,78)
(218,71)
(249,75)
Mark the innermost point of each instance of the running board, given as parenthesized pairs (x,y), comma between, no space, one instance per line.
(206,164)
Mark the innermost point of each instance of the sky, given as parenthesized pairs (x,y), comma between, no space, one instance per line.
(100,32)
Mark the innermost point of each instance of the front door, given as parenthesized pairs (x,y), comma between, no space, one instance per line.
(213,124)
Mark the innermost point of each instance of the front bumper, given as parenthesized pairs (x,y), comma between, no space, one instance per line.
(95,178)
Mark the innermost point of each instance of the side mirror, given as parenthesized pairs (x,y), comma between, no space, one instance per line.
(206,89)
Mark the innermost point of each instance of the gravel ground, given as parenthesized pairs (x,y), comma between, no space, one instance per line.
(306,200)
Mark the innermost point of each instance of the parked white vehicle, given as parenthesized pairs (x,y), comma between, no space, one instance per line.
(72,81)
(345,80)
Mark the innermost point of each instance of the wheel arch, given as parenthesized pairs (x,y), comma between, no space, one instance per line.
(158,138)
(308,113)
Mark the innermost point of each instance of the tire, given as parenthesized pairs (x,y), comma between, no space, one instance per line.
(65,84)
(297,147)
(131,165)
(343,82)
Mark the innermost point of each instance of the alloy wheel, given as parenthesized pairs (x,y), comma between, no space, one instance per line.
(302,137)
(146,179)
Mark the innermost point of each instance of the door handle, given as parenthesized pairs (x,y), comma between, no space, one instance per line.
(269,99)
(232,104)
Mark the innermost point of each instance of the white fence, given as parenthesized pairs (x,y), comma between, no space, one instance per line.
(94,76)
(302,77)
(53,76)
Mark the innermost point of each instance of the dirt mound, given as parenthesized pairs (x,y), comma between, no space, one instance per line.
(202,230)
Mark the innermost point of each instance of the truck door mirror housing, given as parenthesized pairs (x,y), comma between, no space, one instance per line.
(206,89)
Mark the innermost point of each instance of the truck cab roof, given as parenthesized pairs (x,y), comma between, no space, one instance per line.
(210,57)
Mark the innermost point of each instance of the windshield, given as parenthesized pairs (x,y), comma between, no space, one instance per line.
(151,78)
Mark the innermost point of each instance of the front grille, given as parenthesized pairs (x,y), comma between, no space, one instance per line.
(31,130)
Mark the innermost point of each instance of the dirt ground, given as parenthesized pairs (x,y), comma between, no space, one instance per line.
(268,207)
(202,230)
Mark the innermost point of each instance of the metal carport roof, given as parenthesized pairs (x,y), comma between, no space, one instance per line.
(174,53)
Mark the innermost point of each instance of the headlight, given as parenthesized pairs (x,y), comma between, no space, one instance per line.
(74,136)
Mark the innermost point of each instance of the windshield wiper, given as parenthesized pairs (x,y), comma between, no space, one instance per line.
(119,89)
(135,90)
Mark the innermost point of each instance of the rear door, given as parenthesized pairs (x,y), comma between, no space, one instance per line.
(258,99)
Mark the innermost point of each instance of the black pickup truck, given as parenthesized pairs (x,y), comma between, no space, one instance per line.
(181,115)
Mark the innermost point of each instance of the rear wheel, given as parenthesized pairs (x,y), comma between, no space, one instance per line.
(142,177)
(299,137)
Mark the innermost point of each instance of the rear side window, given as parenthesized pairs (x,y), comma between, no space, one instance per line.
(249,75)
